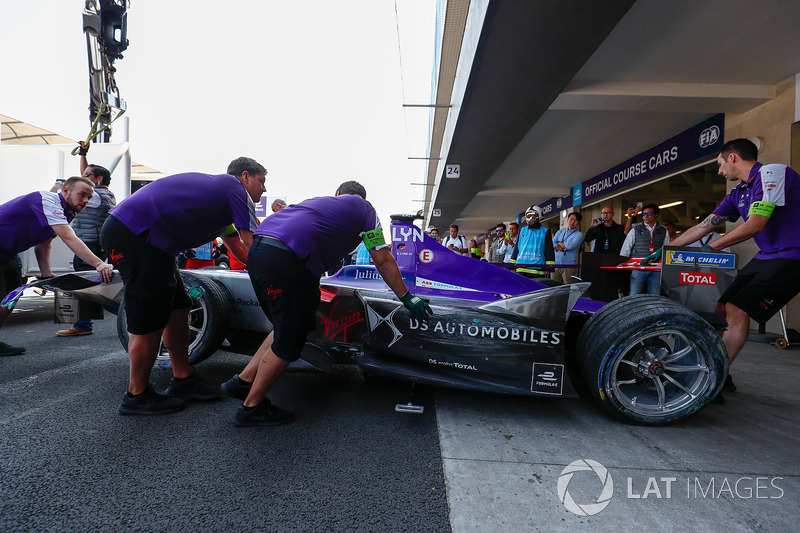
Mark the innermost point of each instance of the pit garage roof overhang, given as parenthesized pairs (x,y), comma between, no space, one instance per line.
(545,95)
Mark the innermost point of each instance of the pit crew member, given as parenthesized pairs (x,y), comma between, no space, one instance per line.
(143,237)
(285,268)
(767,197)
(34,220)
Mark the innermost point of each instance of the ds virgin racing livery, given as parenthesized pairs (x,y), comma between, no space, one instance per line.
(644,359)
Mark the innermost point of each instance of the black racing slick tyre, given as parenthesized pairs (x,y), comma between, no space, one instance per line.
(649,360)
(209,317)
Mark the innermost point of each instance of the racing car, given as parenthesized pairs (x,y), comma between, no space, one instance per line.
(643,359)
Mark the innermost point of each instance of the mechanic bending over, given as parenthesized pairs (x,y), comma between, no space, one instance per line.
(143,236)
(34,220)
(768,199)
(285,268)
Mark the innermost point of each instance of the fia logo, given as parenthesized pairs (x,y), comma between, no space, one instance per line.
(708,137)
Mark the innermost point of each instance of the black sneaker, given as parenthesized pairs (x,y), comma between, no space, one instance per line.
(728,386)
(193,388)
(264,414)
(149,403)
(236,388)
(7,349)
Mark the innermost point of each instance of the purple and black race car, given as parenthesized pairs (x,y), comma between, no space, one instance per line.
(644,359)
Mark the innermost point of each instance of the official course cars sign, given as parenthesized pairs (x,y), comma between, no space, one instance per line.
(700,259)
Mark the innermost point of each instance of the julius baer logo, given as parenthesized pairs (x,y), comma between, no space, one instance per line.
(585,487)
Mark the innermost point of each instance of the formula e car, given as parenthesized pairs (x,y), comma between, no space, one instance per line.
(644,359)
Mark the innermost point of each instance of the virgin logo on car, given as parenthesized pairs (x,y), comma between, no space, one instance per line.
(697,278)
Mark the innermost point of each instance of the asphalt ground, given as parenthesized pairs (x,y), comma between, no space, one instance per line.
(471,462)
(69,462)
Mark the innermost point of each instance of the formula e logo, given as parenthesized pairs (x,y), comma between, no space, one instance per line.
(375,320)
(708,137)
(585,509)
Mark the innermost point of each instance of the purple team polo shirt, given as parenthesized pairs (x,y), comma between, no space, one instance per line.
(186,210)
(321,231)
(26,221)
(777,184)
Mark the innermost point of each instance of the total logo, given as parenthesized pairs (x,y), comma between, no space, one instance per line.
(697,278)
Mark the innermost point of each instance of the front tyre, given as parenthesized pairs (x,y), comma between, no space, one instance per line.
(649,360)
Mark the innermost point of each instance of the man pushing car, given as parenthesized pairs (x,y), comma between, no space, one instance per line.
(143,235)
(285,266)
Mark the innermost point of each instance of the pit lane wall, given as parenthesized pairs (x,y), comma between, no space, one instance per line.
(28,168)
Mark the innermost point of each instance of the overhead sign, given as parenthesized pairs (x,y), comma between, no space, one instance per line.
(551,207)
(452,171)
(699,141)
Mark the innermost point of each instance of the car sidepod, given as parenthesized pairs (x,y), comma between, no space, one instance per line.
(510,346)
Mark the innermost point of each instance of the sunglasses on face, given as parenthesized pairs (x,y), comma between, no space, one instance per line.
(648,213)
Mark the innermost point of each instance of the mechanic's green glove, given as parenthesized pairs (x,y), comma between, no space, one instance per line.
(419,308)
(652,258)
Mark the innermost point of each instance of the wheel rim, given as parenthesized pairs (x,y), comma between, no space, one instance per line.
(198,317)
(660,373)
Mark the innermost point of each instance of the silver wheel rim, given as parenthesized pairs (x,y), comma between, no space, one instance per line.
(198,321)
(660,373)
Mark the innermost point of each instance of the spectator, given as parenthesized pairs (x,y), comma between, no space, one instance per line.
(32,220)
(456,242)
(510,243)
(497,242)
(285,270)
(645,238)
(474,251)
(87,225)
(534,246)
(605,234)
(277,205)
(566,245)
(434,232)
(672,230)
(143,235)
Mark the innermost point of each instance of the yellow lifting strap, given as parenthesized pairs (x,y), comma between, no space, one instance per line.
(93,131)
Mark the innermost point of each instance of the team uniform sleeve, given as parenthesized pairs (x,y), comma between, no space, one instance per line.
(244,211)
(773,190)
(51,207)
(372,236)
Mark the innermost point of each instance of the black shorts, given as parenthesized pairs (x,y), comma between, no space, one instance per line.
(763,287)
(153,285)
(10,276)
(288,293)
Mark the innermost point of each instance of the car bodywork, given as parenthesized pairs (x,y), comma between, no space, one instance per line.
(491,330)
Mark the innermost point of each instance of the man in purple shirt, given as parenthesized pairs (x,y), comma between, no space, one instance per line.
(285,268)
(768,199)
(143,235)
(33,220)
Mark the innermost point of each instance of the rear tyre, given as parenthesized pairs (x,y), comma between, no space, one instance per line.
(209,318)
(649,360)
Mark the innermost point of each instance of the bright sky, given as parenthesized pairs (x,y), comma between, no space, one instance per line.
(311,89)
